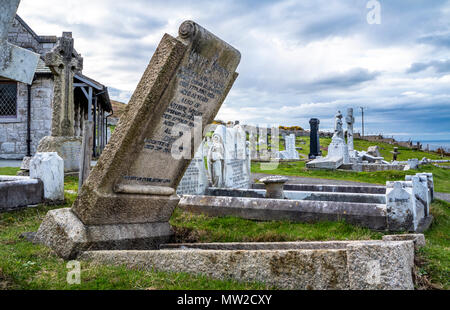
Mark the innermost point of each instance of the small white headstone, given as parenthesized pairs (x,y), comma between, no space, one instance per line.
(49,167)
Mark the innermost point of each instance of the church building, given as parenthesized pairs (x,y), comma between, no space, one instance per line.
(26,111)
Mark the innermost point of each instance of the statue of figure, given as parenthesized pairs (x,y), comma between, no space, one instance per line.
(338,130)
(350,120)
(216,162)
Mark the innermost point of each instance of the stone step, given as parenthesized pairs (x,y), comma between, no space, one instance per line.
(302,195)
(330,188)
(370,215)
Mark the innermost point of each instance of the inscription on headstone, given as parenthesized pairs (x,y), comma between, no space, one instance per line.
(195,180)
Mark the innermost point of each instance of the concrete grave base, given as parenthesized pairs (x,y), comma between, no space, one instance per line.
(68,148)
(65,234)
(287,265)
(370,215)
(325,163)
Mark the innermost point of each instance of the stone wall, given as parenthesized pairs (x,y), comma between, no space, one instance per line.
(20,36)
(13,131)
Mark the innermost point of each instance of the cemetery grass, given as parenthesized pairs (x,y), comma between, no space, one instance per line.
(27,266)
(441,176)
(24,265)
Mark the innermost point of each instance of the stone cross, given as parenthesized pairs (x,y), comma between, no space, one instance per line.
(16,63)
(350,120)
(395,152)
(63,61)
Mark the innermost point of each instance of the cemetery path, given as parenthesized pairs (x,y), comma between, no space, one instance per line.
(305,180)
(442,196)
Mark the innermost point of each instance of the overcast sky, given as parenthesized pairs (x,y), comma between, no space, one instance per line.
(300,59)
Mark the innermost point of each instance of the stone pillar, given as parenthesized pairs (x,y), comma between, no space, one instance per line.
(350,120)
(314,146)
(63,62)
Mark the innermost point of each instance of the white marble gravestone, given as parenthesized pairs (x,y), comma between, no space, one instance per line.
(290,152)
(236,158)
(49,168)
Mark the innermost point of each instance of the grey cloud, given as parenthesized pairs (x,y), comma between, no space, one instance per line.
(348,79)
(440,66)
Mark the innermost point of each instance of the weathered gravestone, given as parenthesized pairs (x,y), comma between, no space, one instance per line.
(290,151)
(129,196)
(64,62)
(195,179)
(350,120)
(16,63)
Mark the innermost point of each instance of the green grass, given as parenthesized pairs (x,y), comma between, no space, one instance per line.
(200,228)
(24,265)
(8,170)
(436,254)
(441,175)
(27,266)
(384,148)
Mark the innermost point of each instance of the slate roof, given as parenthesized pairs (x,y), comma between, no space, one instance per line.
(42,68)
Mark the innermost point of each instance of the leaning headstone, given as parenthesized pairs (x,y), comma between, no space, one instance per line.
(16,63)
(314,146)
(49,168)
(64,62)
(129,196)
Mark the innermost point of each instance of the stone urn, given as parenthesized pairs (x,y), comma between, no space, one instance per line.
(274,186)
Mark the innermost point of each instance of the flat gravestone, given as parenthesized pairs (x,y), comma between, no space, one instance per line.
(16,63)
(129,196)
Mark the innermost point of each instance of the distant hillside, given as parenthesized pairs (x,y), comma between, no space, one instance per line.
(118,108)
